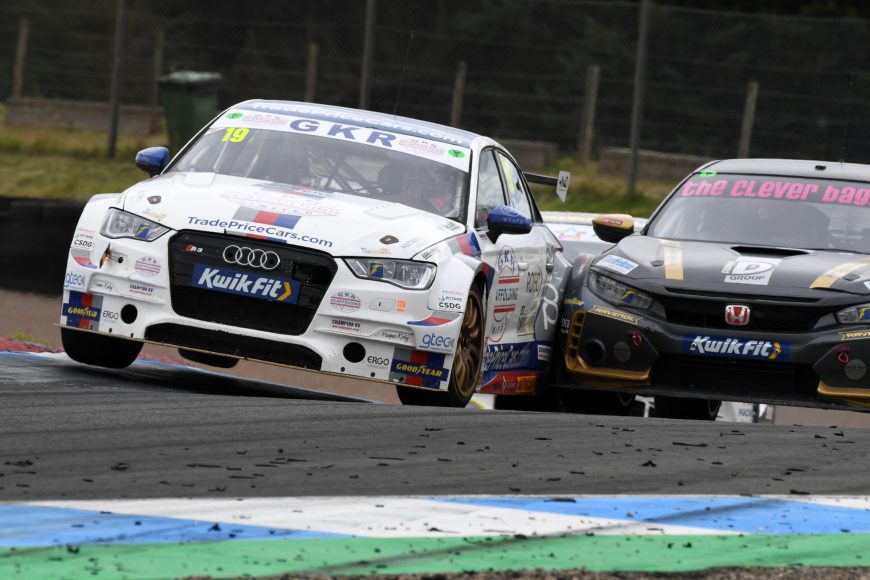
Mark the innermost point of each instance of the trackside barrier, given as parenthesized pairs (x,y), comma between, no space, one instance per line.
(34,240)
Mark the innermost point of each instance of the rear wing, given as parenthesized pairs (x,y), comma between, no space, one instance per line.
(560,183)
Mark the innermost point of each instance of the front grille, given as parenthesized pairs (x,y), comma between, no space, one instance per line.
(764,316)
(312,270)
(723,376)
(234,344)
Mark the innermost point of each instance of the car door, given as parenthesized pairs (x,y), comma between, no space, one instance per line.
(532,250)
(512,258)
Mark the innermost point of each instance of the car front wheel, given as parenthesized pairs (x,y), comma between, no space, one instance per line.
(467,368)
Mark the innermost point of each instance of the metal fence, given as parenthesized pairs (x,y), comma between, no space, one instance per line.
(526,65)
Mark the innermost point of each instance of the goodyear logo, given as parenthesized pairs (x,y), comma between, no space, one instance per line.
(736,347)
(418,369)
(615,314)
(82,311)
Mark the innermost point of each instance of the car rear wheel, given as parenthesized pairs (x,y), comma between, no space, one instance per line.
(677,408)
(98,349)
(467,368)
(596,402)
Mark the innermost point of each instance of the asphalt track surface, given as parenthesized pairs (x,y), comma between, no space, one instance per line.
(152,431)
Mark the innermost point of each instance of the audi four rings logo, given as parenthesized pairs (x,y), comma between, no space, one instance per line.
(267,260)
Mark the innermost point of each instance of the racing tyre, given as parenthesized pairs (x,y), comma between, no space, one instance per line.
(677,408)
(98,349)
(467,368)
(596,402)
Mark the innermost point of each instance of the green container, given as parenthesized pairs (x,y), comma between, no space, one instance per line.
(189,102)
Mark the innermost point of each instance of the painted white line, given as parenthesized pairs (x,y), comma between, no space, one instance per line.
(378,517)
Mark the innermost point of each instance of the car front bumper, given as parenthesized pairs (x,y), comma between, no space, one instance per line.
(608,347)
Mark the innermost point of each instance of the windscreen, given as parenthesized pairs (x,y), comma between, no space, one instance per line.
(758,210)
(332,157)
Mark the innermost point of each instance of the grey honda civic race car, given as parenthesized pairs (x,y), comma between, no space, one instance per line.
(751,282)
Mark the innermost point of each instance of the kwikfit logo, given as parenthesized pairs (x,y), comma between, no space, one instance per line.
(233,282)
(735,347)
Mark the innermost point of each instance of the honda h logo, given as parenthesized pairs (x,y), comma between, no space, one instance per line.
(737,315)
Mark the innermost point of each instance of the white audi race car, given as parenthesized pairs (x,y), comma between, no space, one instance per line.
(327,238)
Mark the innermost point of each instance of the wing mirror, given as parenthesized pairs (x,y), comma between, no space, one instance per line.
(506,220)
(152,160)
(613,227)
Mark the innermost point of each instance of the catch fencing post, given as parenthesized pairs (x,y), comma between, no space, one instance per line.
(20,57)
(637,101)
(311,73)
(115,89)
(748,120)
(159,42)
(587,123)
(458,94)
(368,54)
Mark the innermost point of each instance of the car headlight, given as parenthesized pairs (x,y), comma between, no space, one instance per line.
(402,273)
(618,293)
(123,224)
(859,314)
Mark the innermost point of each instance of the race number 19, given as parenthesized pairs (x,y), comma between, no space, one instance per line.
(235,135)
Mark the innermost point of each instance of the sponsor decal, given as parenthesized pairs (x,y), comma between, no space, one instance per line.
(147,267)
(73,280)
(506,264)
(615,314)
(233,115)
(393,336)
(410,243)
(737,315)
(544,353)
(534,282)
(83,239)
(141,290)
(83,310)
(361,129)
(272,199)
(437,342)
(509,382)
(456,153)
(231,281)
(617,264)
(526,319)
(430,253)
(509,356)
(750,270)
(419,368)
(345,325)
(376,270)
(451,300)
(436,319)
(111,315)
(401,305)
(736,347)
(387,240)
(345,301)
(101,285)
(377,361)
(855,335)
(422,147)
(259,231)
(573,302)
(376,251)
